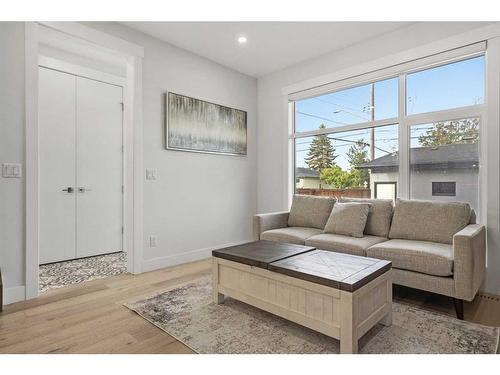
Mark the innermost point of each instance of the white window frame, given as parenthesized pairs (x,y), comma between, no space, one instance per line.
(403,120)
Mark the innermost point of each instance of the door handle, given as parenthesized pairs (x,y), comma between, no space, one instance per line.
(83,189)
(68,190)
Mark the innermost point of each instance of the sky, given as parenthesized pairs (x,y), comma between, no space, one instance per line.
(445,87)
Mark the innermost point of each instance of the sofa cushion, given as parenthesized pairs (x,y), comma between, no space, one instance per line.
(310,211)
(429,220)
(343,244)
(296,235)
(379,217)
(348,219)
(421,256)
(473,218)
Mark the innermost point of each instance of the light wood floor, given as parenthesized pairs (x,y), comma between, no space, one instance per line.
(91,318)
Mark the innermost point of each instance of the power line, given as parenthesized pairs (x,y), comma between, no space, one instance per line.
(364,143)
(345,109)
(355,142)
(339,105)
(345,96)
(321,118)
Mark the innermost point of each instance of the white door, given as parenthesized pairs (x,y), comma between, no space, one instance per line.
(99,167)
(80,148)
(56,118)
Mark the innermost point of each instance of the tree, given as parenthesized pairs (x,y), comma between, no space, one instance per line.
(337,177)
(356,156)
(451,132)
(359,177)
(321,152)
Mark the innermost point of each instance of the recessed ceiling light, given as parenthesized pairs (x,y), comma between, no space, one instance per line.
(242,39)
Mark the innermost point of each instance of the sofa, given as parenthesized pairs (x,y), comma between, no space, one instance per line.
(433,246)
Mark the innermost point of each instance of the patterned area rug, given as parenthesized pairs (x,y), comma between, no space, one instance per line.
(58,275)
(188,314)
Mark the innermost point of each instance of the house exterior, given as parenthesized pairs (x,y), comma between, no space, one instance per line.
(446,173)
(306,178)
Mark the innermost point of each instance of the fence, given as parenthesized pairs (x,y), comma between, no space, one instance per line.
(351,193)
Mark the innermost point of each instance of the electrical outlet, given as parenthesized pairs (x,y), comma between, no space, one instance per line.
(152,241)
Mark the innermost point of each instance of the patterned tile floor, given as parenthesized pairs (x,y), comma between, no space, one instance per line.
(58,275)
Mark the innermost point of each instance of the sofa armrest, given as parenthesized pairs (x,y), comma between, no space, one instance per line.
(469,260)
(273,220)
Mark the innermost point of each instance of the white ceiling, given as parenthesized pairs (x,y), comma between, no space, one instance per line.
(271,46)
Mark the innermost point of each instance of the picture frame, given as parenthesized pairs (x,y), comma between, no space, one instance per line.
(195,125)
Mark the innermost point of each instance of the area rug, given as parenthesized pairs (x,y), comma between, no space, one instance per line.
(61,274)
(188,314)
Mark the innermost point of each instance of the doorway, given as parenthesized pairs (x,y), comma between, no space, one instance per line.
(80,39)
(81,178)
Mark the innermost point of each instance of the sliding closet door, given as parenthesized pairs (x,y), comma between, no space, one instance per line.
(56,121)
(99,167)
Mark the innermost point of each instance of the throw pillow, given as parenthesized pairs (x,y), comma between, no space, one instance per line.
(310,211)
(348,219)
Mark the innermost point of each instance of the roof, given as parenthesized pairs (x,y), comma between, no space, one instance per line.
(302,172)
(457,156)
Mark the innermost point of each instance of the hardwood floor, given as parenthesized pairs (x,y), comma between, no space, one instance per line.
(485,309)
(91,318)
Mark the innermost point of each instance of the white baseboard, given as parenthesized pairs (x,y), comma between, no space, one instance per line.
(14,294)
(189,256)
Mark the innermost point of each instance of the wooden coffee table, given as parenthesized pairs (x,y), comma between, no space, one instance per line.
(339,295)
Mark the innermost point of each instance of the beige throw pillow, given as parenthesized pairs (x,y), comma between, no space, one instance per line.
(432,221)
(348,219)
(379,217)
(310,211)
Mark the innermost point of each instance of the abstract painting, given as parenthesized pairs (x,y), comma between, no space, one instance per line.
(200,126)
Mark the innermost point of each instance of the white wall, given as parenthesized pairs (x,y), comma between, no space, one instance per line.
(12,150)
(272,113)
(197,203)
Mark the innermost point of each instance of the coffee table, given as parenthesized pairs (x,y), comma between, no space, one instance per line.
(339,295)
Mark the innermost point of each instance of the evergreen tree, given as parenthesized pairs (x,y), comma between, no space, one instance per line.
(321,152)
(451,132)
(357,155)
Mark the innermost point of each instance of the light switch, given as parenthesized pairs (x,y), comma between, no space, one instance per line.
(151,174)
(152,241)
(12,170)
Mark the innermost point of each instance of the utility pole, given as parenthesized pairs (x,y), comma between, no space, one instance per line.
(372,118)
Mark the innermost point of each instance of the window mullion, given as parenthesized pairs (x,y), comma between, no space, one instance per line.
(404,142)
(446,115)
(340,129)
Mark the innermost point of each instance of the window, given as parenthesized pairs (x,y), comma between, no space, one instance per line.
(347,163)
(347,143)
(375,101)
(445,189)
(444,161)
(453,85)
(386,99)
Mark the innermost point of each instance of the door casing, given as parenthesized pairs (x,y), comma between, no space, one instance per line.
(132,156)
